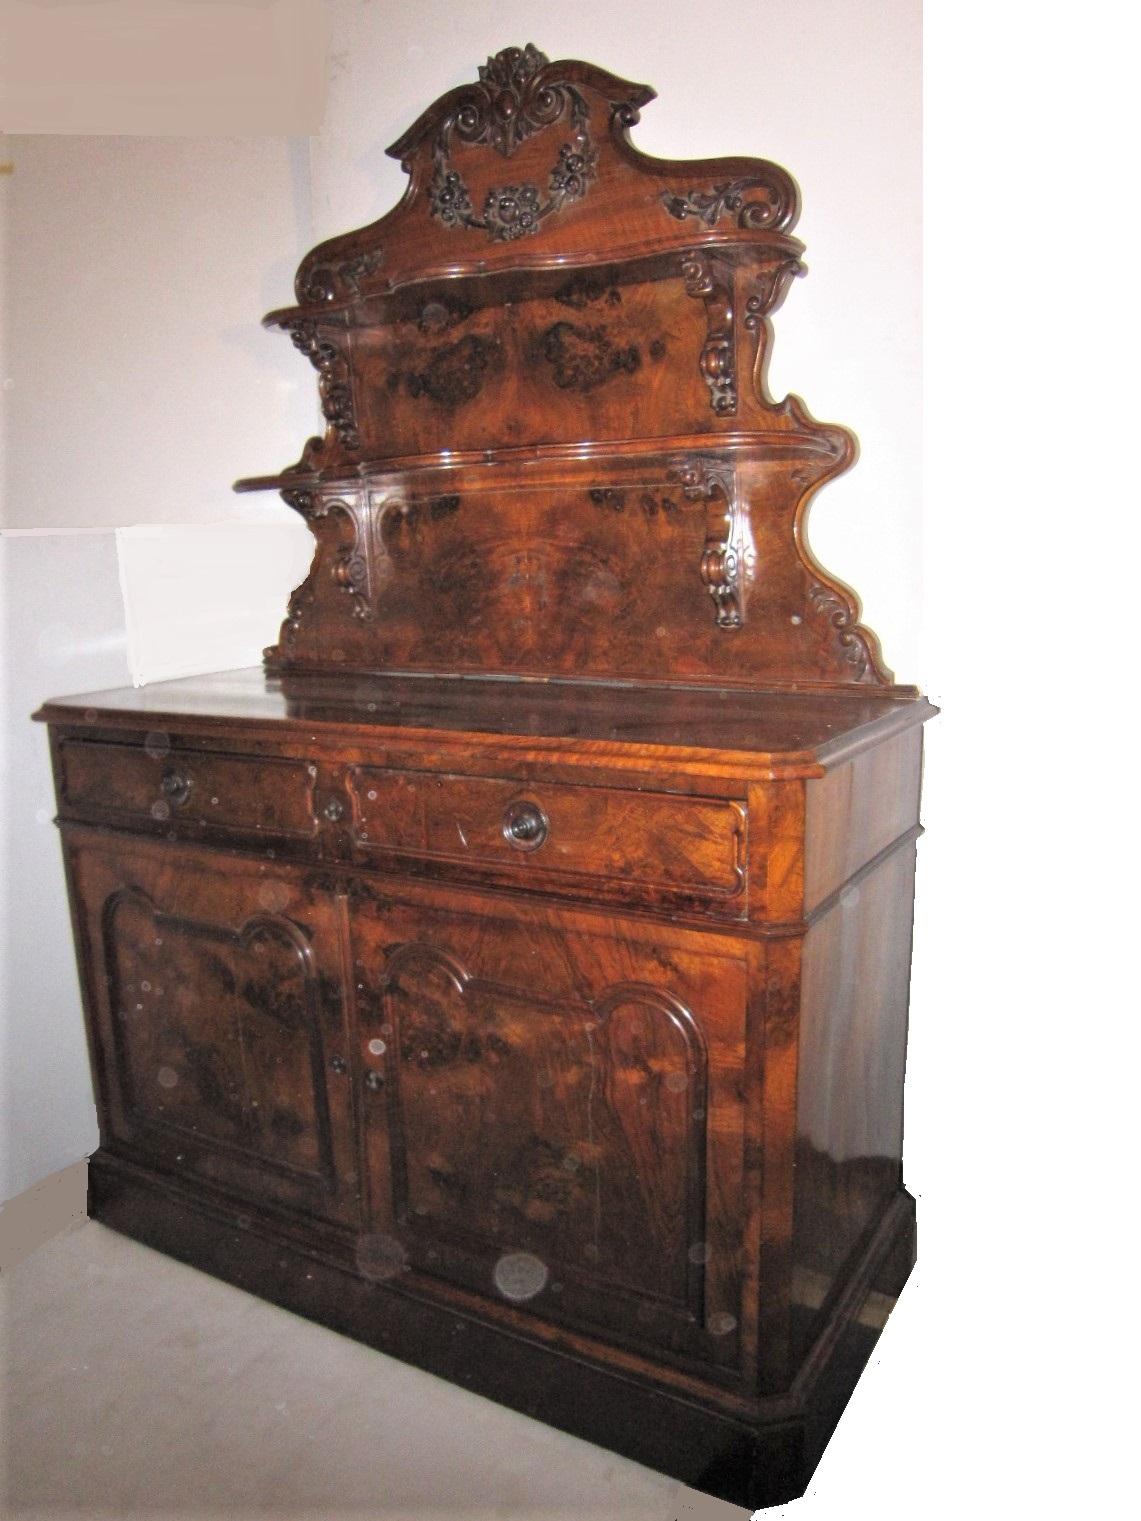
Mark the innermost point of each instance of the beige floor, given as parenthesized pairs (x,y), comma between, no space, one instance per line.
(138,1386)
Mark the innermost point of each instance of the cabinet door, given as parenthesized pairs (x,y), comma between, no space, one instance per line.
(220,1041)
(553,1115)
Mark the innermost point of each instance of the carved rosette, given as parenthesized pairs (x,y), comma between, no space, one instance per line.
(728,559)
(334,384)
(515,97)
(707,279)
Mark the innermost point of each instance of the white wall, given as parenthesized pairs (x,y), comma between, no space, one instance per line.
(137,385)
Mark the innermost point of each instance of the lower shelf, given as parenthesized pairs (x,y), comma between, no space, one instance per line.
(765,1460)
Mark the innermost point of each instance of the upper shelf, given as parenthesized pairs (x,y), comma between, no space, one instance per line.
(532,169)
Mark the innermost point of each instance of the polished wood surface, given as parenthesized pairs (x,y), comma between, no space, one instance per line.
(513,974)
(764,731)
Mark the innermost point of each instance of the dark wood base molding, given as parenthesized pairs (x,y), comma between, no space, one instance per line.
(763,1461)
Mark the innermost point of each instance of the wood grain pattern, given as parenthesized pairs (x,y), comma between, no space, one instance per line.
(217,1022)
(688,847)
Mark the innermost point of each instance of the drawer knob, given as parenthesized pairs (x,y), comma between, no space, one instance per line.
(525,825)
(175,786)
(373,1081)
(334,810)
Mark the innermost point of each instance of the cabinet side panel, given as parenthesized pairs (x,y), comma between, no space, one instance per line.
(853,1038)
(857,810)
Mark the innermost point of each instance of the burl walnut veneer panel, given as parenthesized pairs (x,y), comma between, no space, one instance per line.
(513,975)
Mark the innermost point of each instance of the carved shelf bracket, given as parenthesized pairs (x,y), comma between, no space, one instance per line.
(707,280)
(514,98)
(350,566)
(334,383)
(728,561)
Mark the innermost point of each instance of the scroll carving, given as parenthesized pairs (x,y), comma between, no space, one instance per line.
(727,560)
(705,279)
(323,280)
(514,99)
(334,385)
(771,211)
(849,637)
(772,285)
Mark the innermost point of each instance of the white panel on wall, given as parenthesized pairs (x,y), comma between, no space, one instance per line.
(207,596)
(140,384)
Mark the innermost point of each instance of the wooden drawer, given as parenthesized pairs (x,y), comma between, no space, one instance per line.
(194,790)
(596,839)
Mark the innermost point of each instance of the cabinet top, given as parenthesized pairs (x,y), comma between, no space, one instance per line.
(757,733)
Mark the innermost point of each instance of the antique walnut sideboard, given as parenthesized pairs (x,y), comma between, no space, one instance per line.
(514,975)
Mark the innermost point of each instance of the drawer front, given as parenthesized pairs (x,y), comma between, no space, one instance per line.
(195,789)
(592,837)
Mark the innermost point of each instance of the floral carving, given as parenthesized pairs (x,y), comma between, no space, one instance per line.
(513,99)
(512,211)
(334,385)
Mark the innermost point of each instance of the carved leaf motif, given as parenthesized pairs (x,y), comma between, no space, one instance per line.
(709,206)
